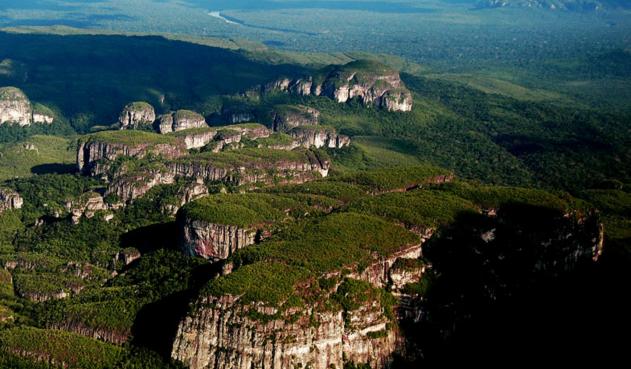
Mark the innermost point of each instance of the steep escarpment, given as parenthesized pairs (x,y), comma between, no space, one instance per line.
(218,226)
(95,151)
(484,263)
(316,308)
(370,83)
(253,166)
(133,162)
(16,108)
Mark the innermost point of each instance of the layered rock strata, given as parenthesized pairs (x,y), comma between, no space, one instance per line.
(370,83)
(136,115)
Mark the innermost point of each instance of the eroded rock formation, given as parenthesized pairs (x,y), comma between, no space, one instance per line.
(223,334)
(137,114)
(371,83)
(214,241)
(9,200)
(179,121)
(95,151)
(287,117)
(319,137)
(87,205)
(16,108)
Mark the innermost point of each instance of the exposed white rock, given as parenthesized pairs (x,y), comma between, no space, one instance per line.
(136,114)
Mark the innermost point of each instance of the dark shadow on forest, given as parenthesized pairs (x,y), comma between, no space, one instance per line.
(89,78)
(510,300)
(152,237)
(54,168)
(156,324)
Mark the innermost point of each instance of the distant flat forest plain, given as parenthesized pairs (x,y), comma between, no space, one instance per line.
(555,50)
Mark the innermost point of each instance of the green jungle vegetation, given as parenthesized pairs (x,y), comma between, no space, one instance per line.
(550,134)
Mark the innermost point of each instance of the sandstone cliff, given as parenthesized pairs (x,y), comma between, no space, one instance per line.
(372,84)
(323,312)
(9,200)
(223,334)
(214,241)
(249,166)
(287,117)
(16,108)
(319,137)
(180,120)
(95,152)
(136,114)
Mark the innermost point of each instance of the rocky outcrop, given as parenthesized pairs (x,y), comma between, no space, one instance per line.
(221,137)
(223,333)
(95,151)
(405,271)
(179,121)
(370,83)
(42,114)
(130,186)
(185,194)
(9,200)
(261,170)
(319,137)
(378,273)
(237,115)
(42,288)
(232,331)
(74,325)
(127,256)
(198,138)
(136,114)
(87,205)
(287,117)
(16,108)
(214,241)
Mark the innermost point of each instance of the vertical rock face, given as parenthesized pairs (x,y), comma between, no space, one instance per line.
(405,271)
(180,120)
(223,334)
(9,200)
(319,137)
(236,115)
(94,151)
(136,114)
(287,117)
(196,140)
(371,83)
(15,107)
(283,171)
(302,315)
(131,186)
(378,273)
(42,114)
(214,241)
